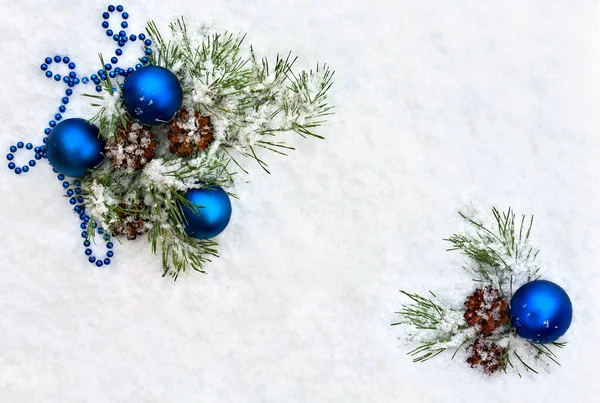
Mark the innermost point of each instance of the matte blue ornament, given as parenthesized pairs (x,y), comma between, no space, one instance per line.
(541,311)
(211,214)
(153,95)
(74,147)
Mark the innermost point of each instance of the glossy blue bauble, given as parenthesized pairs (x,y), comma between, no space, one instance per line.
(152,95)
(541,311)
(211,213)
(74,147)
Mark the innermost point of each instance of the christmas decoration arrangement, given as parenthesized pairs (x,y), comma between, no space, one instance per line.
(160,156)
(512,318)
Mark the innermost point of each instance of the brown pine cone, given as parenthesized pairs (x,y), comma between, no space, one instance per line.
(487,310)
(486,355)
(189,134)
(133,148)
(130,222)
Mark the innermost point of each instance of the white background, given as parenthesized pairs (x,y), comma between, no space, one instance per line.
(439,104)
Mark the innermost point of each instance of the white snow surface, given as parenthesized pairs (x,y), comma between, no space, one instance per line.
(439,104)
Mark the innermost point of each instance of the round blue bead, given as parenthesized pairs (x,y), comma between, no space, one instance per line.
(25,169)
(105,24)
(86,243)
(69,92)
(74,147)
(100,230)
(107,261)
(142,37)
(130,70)
(109,32)
(92,259)
(109,245)
(76,80)
(48,60)
(80,199)
(110,253)
(211,212)
(57,59)
(99,263)
(105,15)
(112,74)
(57,77)
(18,171)
(66,79)
(108,66)
(72,65)
(148,51)
(77,182)
(65,100)
(44,67)
(88,252)
(72,74)
(124,24)
(29,146)
(44,155)
(94,77)
(38,156)
(119,8)
(31,163)
(118,52)
(121,43)
(13,149)
(20,144)
(61,109)
(70,192)
(52,123)
(111,8)
(83,225)
(144,60)
(58,116)
(114,60)
(132,38)
(72,201)
(147,42)
(138,66)
(65,185)
(47,130)
(66,59)
(116,37)
(125,15)
(85,80)
(60,177)
(11,165)
(48,74)
(78,191)
(98,88)
(84,234)
(107,237)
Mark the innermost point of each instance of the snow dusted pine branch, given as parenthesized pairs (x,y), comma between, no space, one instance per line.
(500,259)
(233,104)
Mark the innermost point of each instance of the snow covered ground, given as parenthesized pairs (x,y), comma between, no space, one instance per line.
(439,104)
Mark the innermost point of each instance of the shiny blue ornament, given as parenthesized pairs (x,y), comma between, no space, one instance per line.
(211,212)
(541,311)
(74,147)
(153,95)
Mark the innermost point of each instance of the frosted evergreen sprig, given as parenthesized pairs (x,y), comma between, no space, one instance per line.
(499,256)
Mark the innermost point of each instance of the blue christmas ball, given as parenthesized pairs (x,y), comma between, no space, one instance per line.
(152,95)
(541,311)
(209,214)
(74,147)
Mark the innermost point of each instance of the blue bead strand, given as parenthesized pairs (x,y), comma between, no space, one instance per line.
(71,79)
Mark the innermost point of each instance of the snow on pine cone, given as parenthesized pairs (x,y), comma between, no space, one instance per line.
(487,310)
(130,222)
(487,356)
(133,148)
(189,133)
